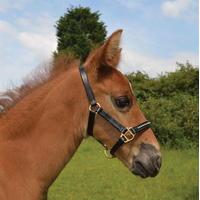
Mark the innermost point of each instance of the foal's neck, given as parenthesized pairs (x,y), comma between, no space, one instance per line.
(40,134)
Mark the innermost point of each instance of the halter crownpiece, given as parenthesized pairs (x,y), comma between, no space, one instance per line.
(127,134)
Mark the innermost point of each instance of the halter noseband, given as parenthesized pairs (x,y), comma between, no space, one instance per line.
(127,134)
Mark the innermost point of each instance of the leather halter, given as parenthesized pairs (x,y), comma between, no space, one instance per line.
(127,134)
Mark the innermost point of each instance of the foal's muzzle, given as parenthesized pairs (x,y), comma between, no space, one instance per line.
(147,162)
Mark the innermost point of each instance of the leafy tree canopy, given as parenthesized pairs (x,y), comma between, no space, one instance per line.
(79,30)
(184,80)
(170,102)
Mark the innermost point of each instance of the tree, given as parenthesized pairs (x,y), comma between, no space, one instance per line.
(79,30)
(170,102)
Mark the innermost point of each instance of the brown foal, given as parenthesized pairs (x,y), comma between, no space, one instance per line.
(40,132)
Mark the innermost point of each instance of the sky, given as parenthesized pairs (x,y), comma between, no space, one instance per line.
(156,34)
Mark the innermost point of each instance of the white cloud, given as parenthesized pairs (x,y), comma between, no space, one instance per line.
(26,43)
(38,35)
(134,61)
(6,27)
(39,44)
(6,5)
(174,8)
(130,4)
(41,23)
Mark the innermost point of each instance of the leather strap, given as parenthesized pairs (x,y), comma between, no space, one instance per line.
(112,121)
(141,127)
(87,87)
(90,125)
(116,146)
(91,99)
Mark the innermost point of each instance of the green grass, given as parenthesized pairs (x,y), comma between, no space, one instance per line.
(90,176)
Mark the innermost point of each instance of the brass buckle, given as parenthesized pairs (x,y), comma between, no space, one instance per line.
(95,108)
(107,153)
(127,136)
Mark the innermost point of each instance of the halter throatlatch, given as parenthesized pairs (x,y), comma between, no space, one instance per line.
(127,134)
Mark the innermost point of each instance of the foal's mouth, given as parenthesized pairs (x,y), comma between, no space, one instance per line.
(144,173)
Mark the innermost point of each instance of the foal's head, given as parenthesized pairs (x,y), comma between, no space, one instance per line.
(115,95)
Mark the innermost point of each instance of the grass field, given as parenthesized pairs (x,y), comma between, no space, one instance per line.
(90,176)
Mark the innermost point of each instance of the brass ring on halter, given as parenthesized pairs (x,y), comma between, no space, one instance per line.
(107,154)
(95,108)
(128,135)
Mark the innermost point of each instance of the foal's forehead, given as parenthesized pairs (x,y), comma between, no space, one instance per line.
(120,79)
(117,82)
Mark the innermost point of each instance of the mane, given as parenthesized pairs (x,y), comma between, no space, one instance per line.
(36,78)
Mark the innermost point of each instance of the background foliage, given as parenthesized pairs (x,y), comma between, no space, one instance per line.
(79,30)
(170,102)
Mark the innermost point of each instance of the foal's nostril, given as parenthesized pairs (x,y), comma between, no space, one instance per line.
(158,161)
(140,169)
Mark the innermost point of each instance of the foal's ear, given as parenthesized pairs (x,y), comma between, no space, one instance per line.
(111,51)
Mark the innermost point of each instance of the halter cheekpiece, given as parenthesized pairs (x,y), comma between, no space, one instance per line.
(126,134)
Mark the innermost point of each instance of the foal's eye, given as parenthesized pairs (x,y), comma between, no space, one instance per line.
(122,101)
